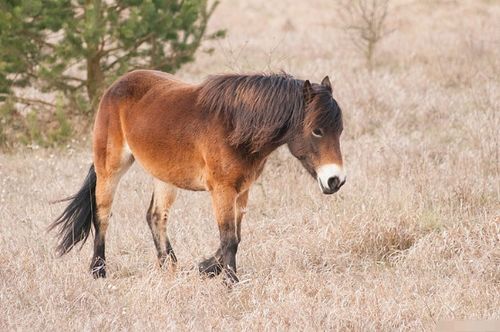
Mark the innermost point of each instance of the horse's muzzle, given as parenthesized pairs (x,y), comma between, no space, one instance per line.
(330,178)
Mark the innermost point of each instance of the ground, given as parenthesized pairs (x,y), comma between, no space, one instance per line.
(412,239)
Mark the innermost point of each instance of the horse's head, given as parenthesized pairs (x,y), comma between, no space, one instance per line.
(317,143)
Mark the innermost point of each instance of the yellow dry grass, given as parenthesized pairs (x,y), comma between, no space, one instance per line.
(412,239)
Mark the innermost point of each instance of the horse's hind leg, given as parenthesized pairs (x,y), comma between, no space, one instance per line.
(163,197)
(107,180)
(112,158)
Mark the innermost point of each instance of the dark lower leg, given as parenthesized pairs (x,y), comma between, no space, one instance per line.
(98,263)
(229,245)
(167,256)
(157,223)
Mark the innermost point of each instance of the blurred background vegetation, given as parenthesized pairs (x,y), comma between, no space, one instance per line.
(57,56)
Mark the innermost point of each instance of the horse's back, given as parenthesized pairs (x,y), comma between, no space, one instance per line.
(128,91)
(133,86)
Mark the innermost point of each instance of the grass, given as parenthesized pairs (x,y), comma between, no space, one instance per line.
(412,239)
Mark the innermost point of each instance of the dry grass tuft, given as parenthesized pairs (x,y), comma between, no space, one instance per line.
(412,239)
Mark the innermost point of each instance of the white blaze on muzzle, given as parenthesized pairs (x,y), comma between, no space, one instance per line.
(328,171)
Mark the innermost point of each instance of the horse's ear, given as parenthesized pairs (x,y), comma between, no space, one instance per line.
(308,91)
(326,83)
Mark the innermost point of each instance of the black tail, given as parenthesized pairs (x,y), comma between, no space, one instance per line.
(75,222)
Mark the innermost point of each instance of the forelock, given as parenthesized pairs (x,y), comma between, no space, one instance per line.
(323,110)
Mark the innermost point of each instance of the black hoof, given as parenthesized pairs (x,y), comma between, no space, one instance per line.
(210,267)
(98,268)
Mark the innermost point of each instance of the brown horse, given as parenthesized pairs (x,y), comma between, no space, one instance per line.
(215,136)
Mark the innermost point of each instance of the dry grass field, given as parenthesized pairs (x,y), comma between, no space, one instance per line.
(412,239)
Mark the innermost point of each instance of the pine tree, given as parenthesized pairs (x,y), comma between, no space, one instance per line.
(75,46)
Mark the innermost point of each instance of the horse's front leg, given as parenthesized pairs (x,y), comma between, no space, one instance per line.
(224,201)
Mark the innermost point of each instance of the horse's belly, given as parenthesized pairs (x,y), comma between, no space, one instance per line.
(193,181)
(183,170)
(180,174)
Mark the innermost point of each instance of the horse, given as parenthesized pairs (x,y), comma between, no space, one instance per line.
(214,136)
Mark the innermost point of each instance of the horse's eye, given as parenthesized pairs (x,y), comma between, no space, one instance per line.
(318,132)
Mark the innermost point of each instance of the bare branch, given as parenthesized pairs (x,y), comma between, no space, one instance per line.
(27,101)
(365,20)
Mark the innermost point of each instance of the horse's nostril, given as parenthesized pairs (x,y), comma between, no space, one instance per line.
(333,182)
